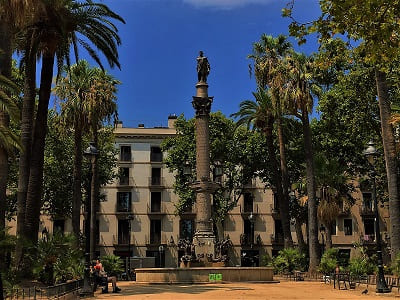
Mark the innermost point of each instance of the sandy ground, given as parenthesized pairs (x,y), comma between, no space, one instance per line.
(242,291)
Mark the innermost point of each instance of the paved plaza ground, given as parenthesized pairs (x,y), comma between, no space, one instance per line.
(241,291)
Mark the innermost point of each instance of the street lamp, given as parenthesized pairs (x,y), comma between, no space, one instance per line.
(322,232)
(381,286)
(90,153)
(252,219)
(130,218)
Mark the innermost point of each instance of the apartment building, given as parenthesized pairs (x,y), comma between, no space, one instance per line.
(137,217)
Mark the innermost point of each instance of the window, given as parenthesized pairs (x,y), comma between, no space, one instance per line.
(348,226)
(124,201)
(276,202)
(123,232)
(333,228)
(186,229)
(155,176)
(124,176)
(278,230)
(58,226)
(369,228)
(248,202)
(155,231)
(125,153)
(155,201)
(367,201)
(155,154)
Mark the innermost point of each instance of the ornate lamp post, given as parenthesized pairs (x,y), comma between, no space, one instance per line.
(90,153)
(381,286)
(130,218)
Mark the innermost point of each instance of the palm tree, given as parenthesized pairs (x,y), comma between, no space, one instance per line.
(56,27)
(259,114)
(335,192)
(85,91)
(299,101)
(267,55)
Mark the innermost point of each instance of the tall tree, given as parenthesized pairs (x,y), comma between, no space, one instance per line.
(56,27)
(299,89)
(259,113)
(267,55)
(374,26)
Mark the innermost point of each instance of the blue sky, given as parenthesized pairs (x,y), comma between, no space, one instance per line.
(161,40)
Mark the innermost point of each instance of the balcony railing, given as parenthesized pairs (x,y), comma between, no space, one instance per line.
(275,211)
(124,207)
(125,180)
(121,239)
(366,210)
(156,157)
(156,181)
(368,238)
(246,239)
(247,210)
(156,238)
(277,238)
(157,209)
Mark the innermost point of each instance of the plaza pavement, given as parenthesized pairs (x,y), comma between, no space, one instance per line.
(241,291)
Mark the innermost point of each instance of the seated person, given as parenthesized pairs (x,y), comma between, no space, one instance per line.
(101,275)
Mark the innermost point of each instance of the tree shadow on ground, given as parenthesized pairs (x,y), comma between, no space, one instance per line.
(139,289)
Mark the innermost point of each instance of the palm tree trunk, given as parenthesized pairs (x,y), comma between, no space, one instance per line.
(77,191)
(390,159)
(300,236)
(313,244)
(5,70)
(277,181)
(328,231)
(28,110)
(285,177)
(33,200)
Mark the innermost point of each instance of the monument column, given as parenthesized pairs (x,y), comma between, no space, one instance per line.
(204,238)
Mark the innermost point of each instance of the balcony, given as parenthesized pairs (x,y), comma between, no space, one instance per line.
(189,210)
(156,157)
(247,210)
(250,185)
(344,211)
(156,239)
(157,209)
(157,182)
(277,238)
(124,207)
(368,239)
(125,181)
(245,239)
(367,211)
(275,211)
(121,240)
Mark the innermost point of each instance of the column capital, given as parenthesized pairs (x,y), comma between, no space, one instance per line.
(202,105)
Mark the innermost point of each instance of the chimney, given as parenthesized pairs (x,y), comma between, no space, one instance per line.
(171,120)
(141,125)
(118,124)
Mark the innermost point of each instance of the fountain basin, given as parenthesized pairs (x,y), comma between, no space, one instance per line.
(201,274)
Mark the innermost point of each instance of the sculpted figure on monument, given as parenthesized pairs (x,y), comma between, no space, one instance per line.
(203,67)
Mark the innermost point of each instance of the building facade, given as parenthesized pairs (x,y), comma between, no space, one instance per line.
(137,217)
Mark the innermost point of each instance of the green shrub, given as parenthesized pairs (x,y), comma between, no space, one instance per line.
(361,266)
(288,260)
(266,260)
(329,261)
(112,264)
(396,265)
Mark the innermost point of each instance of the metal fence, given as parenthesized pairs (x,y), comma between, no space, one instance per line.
(52,292)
